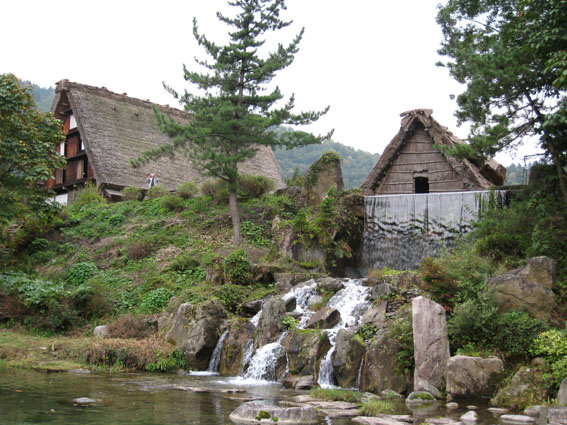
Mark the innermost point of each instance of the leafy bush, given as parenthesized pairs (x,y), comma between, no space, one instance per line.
(237,267)
(255,234)
(477,325)
(38,244)
(231,296)
(172,202)
(116,219)
(552,345)
(442,288)
(156,192)
(141,247)
(88,195)
(401,330)
(132,193)
(217,190)
(290,322)
(81,272)
(155,300)
(187,190)
(254,186)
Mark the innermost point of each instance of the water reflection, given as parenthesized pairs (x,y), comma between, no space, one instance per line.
(36,398)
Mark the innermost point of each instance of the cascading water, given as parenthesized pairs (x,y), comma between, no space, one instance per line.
(351,302)
(214,363)
(401,230)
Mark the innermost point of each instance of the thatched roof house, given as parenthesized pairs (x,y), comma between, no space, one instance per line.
(412,164)
(106,130)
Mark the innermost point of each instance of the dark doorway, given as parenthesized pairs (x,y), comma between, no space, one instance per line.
(421,185)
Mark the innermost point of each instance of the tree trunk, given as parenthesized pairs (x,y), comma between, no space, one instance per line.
(235,214)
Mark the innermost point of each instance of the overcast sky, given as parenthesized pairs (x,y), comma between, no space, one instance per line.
(368,59)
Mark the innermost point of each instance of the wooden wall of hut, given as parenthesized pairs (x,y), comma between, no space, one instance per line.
(420,168)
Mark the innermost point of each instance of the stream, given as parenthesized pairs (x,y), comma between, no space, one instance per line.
(28,397)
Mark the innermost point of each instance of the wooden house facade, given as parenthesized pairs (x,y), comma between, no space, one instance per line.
(412,164)
(106,130)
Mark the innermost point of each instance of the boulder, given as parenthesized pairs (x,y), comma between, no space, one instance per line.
(250,308)
(330,284)
(527,386)
(379,372)
(527,289)
(557,415)
(255,412)
(305,349)
(101,332)
(325,318)
(232,356)
(347,358)
(517,419)
(417,398)
(321,176)
(195,331)
(270,324)
(290,304)
(376,315)
(562,394)
(381,291)
(470,416)
(431,346)
(473,377)
(299,382)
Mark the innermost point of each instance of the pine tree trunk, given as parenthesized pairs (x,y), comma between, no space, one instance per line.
(235,214)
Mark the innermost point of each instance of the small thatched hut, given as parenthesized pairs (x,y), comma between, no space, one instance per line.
(412,164)
(106,130)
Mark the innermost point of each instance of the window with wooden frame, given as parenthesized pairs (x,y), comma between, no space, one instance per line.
(81,169)
(59,174)
(72,122)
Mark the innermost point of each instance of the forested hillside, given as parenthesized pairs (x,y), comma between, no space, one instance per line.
(356,164)
(43,96)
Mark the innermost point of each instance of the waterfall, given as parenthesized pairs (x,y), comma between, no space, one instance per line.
(214,363)
(401,230)
(352,302)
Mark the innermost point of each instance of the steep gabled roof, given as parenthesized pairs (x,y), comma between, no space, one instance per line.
(473,176)
(116,128)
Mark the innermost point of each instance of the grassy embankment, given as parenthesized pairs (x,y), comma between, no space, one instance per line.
(103,263)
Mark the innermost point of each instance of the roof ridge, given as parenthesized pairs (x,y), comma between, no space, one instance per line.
(66,85)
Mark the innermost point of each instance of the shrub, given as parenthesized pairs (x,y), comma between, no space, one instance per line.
(438,283)
(401,330)
(141,247)
(254,186)
(217,190)
(155,300)
(132,193)
(255,234)
(81,272)
(38,245)
(237,267)
(130,326)
(477,325)
(187,190)
(156,192)
(290,322)
(116,219)
(231,296)
(88,195)
(552,345)
(172,202)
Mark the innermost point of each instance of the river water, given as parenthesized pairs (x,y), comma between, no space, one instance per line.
(28,397)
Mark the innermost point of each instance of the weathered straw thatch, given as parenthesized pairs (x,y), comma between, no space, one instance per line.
(116,128)
(412,155)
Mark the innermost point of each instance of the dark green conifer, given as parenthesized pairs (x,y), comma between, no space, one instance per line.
(234,107)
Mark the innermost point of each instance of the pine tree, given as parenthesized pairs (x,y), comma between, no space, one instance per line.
(235,110)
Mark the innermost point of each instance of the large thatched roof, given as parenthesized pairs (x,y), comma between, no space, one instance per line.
(116,128)
(471,175)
